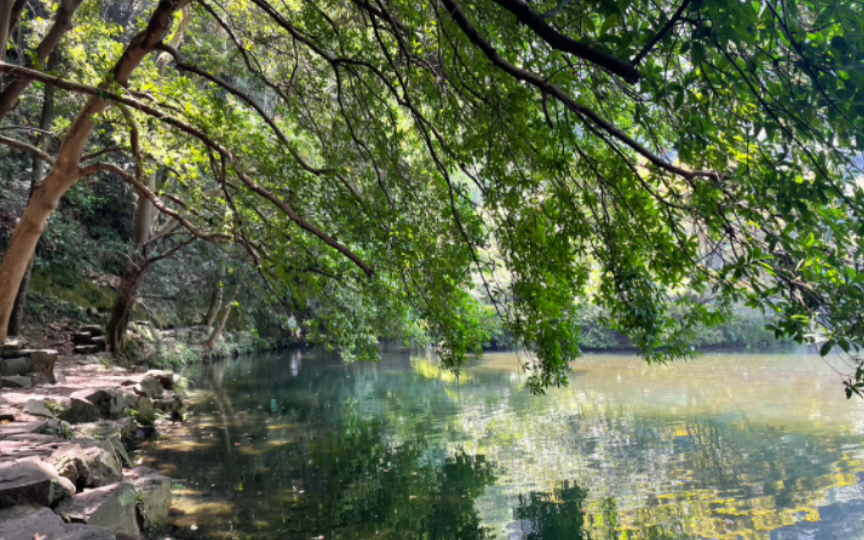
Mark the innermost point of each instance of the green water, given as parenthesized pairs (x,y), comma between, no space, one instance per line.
(731,446)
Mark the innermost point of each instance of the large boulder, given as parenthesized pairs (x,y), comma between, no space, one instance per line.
(154,497)
(87,463)
(112,507)
(165,378)
(29,522)
(150,387)
(30,481)
(37,407)
(109,402)
(15,366)
(110,431)
(146,411)
(16,381)
(81,411)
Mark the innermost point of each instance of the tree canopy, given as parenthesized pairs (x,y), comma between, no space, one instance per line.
(425,166)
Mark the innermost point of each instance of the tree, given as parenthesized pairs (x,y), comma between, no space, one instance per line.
(378,158)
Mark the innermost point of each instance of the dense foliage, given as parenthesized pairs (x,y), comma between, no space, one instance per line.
(397,166)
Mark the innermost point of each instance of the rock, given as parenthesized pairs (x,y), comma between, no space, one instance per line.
(86,349)
(95,330)
(29,522)
(42,362)
(12,346)
(171,403)
(29,480)
(15,354)
(16,381)
(126,425)
(109,402)
(165,378)
(8,415)
(154,496)
(150,387)
(18,428)
(82,338)
(109,431)
(104,429)
(15,366)
(81,411)
(87,463)
(146,410)
(36,407)
(112,507)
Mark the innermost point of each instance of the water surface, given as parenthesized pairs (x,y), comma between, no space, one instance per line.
(731,446)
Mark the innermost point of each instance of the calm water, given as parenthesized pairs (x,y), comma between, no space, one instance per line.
(730,446)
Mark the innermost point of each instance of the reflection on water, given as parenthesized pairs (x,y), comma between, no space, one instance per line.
(730,446)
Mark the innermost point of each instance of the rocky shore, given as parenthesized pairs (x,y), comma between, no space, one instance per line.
(68,425)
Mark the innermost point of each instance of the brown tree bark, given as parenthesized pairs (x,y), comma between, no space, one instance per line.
(17,316)
(145,216)
(216,334)
(123,304)
(66,169)
(215,306)
(62,24)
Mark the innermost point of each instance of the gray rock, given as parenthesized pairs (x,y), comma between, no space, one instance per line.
(16,381)
(150,387)
(30,481)
(165,378)
(126,425)
(112,507)
(109,402)
(17,428)
(146,410)
(81,411)
(15,366)
(87,463)
(36,407)
(109,431)
(154,497)
(26,522)
(104,429)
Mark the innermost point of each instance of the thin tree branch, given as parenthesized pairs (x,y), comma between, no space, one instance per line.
(559,41)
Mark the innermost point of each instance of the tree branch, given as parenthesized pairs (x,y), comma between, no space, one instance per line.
(556,40)
(583,113)
(662,32)
(144,191)
(41,154)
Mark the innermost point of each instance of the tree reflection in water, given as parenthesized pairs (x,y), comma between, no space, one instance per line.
(401,450)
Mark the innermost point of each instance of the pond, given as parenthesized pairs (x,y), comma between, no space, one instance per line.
(731,446)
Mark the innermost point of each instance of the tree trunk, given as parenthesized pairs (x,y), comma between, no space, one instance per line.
(123,304)
(62,24)
(145,215)
(215,306)
(66,170)
(216,334)
(134,275)
(17,316)
(5,26)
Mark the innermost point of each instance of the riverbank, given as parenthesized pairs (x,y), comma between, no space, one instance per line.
(69,425)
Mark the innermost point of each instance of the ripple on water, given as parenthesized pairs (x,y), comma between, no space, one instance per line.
(730,446)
